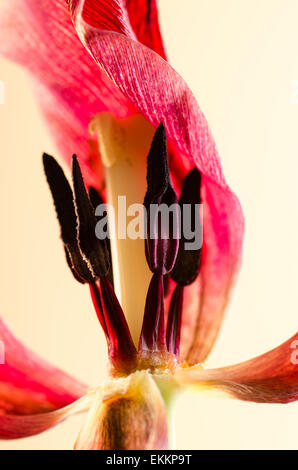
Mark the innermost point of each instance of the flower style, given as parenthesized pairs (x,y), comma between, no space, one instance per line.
(87,58)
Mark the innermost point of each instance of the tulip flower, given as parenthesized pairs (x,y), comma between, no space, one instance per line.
(131,126)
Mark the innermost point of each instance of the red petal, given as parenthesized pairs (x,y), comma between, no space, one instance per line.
(269,378)
(70,87)
(137,19)
(160,94)
(143,16)
(16,426)
(221,257)
(29,385)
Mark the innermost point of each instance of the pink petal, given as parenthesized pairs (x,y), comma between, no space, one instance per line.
(16,426)
(137,19)
(70,87)
(28,384)
(269,378)
(160,94)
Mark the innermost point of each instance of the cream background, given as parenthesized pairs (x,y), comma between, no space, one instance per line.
(240,57)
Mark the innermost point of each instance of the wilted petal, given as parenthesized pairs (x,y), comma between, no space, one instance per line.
(128,414)
(269,378)
(69,86)
(16,426)
(142,76)
(72,89)
(207,298)
(136,18)
(161,95)
(28,384)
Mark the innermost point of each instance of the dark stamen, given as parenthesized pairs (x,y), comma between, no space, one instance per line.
(174,321)
(162,236)
(96,299)
(93,249)
(188,261)
(162,240)
(88,258)
(96,200)
(63,198)
(158,176)
(64,205)
(78,265)
(95,197)
(153,329)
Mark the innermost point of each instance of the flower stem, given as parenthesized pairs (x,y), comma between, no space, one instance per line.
(123,145)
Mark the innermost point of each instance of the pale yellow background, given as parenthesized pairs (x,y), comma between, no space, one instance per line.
(240,57)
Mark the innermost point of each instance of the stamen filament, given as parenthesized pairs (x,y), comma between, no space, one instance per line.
(174,321)
(122,352)
(153,330)
(96,299)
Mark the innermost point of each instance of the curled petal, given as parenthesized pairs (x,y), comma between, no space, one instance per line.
(143,18)
(161,95)
(28,384)
(136,18)
(207,298)
(127,77)
(69,86)
(17,426)
(150,84)
(269,378)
